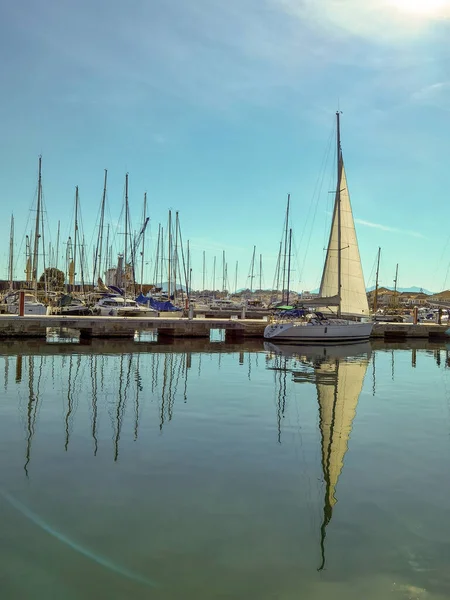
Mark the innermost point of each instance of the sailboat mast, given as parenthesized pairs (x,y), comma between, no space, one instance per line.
(57,245)
(28,260)
(75,237)
(169,274)
(143,242)
(126,238)
(252,270)
(260,273)
(289,267)
(285,246)
(395,285)
(223,270)
(36,231)
(98,257)
(203,271)
(106,253)
(157,257)
(162,256)
(375,295)
(175,255)
(214,277)
(236,277)
(338,206)
(11,254)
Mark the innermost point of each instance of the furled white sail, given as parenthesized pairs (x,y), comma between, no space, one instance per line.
(353,290)
(339,385)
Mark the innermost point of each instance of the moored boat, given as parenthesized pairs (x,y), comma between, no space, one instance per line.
(342,283)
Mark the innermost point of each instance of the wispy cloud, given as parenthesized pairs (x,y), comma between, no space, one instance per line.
(396,230)
(436,95)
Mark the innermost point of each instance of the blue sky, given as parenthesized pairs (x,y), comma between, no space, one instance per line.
(219,109)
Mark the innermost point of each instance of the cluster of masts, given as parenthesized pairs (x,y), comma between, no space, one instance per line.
(172,264)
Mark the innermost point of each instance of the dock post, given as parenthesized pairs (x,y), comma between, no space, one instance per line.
(243,311)
(21,304)
(415,315)
(191,312)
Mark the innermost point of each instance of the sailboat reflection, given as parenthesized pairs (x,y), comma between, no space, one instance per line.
(338,373)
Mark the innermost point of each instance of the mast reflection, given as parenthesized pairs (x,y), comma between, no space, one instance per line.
(338,373)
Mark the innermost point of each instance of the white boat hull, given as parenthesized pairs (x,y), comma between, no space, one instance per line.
(30,308)
(301,332)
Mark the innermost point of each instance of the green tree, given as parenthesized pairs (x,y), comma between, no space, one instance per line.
(55,278)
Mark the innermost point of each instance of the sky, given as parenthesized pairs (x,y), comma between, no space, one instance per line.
(218,110)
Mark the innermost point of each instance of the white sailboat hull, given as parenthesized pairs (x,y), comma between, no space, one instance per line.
(30,308)
(301,332)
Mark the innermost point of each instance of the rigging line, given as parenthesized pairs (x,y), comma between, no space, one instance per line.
(318,184)
(316,194)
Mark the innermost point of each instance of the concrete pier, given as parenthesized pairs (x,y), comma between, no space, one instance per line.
(403,331)
(29,326)
(12,326)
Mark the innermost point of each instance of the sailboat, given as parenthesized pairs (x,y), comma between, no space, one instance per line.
(342,283)
(338,373)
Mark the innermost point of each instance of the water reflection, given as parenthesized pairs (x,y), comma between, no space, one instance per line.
(338,373)
(204,466)
(108,374)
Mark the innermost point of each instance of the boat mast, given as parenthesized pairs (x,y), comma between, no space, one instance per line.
(99,251)
(214,277)
(43,250)
(285,246)
(143,242)
(175,256)
(375,295)
(260,273)
(289,268)
(223,270)
(236,277)
(107,263)
(36,231)
(57,245)
(75,238)
(338,207)
(126,239)
(162,257)
(11,253)
(28,259)
(157,257)
(252,270)
(188,269)
(203,270)
(169,274)
(395,285)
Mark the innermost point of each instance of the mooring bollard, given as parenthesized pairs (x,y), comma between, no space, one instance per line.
(243,312)
(191,311)
(21,304)
(415,315)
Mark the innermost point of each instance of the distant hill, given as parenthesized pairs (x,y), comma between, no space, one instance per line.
(412,290)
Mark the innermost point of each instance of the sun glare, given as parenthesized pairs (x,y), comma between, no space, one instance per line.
(425,8)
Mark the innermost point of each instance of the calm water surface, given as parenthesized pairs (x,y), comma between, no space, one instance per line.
(204,470)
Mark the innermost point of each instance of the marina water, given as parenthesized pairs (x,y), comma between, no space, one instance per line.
(202,470)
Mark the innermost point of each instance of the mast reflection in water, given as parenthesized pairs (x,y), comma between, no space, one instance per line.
(113,381)
(338,373)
